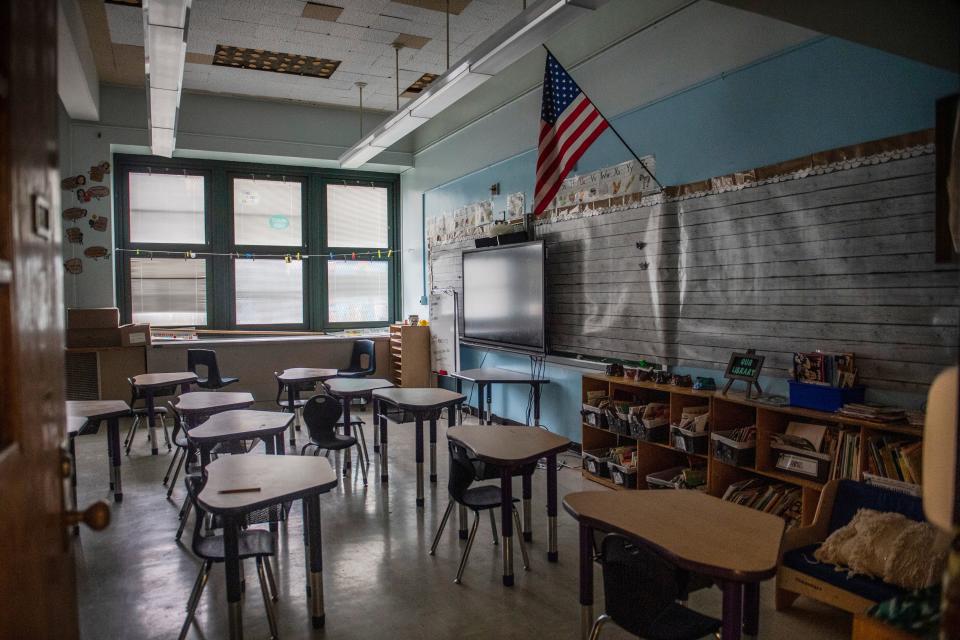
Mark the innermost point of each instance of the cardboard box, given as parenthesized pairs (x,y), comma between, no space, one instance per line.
(93,338)
(104,318)
(135,335)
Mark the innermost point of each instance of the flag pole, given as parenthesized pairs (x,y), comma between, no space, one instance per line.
(615,132)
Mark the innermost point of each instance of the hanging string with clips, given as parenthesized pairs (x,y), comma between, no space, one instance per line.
(378,254)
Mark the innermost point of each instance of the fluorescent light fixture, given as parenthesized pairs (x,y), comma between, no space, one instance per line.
(165,47)
(517,38)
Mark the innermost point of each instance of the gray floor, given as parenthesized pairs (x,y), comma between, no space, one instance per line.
(379,580)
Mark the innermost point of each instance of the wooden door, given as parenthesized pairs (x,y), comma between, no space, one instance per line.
(37,584)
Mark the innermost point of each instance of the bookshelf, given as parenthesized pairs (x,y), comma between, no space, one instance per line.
(728,412)
(410,355)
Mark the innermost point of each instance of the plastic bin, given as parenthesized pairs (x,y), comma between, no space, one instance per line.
(802,464)
(595,462)
(821,397)
(593,416)
(690,441)
(664,479)
(728,451)
(640,430)
(623,476)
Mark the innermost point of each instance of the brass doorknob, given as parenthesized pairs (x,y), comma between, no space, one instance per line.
(96,516)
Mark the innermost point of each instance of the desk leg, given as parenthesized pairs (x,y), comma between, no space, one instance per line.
(586,581)
(536,404)
(479,387)
(375,405)
(527,479)
(460,391)
(419,458)
(151,420)
(204,455)
(751,609)
(346,432)
(317,614)
(231,552)
(552,554)
(292,406)
(433,449)
(462,510)
(72,448)
(384,472)
(280,446)
(110,471)
(732,610)
(113,433)
(506,524)
(489,404)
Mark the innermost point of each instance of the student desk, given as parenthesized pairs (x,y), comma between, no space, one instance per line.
(147,384)
(240,424)
(278,479)
(195,406)
(291,379)
(96,410)
(423,404)
(737,546)
(486,378)
(346,389)
(509,449)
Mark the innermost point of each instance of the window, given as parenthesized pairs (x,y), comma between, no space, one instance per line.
(166,208)
(358,291)
(229,245)
(269,292)
(168,291)
(267,212)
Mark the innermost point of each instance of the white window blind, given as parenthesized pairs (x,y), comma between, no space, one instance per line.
(357,216)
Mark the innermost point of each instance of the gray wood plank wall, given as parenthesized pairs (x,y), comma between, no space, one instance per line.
(841,261)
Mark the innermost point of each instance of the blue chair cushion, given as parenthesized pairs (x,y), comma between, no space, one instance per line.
(852,496)
(802,560)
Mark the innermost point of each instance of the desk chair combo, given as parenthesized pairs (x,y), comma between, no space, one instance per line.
(252,543)
(321,414)
(140,413)
(464,470)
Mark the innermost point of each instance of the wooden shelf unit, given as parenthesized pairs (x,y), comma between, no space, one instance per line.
(410,356)
(726,412)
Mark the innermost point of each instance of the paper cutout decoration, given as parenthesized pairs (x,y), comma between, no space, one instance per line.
(98,191)
(98,223)
(74,213)
(73,265)
(73,182)
(96,252)
(74,235)
(97,171)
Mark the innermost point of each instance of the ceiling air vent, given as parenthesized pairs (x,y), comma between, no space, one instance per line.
(263,60)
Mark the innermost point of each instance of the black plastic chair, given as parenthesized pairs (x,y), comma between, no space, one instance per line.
(322,414)
(640,591)
(464,470)
(140,413)
(253,543)
(356,369)
(207,358)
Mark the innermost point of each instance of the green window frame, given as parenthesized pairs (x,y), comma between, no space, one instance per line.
(221,299)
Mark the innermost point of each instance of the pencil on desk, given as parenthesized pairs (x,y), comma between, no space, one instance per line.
(244,490)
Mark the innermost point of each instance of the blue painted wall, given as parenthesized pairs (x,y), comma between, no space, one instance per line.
(824,94)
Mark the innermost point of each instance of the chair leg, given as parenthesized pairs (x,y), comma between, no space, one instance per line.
(133,433)
(195,598)
(363,467)
(598,625)
(173,461)
(493,527)
(443,523)
(304,448)
(183,519)
(273,583)
(523,545)
(176,474)
(166,434)
(466,551)
(363,442)
(267,601)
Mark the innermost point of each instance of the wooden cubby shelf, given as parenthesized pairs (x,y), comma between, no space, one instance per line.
(726,412)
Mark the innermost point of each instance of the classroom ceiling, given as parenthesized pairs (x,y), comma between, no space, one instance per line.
(357,34)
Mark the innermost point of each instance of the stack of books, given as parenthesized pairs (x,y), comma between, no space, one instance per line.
(895,459)
(770,497)
(846,455)
(873,412)
(824,368)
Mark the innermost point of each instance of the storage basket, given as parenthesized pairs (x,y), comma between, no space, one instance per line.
(801,463)
(593,416)
(822,397)
(729,451)
(665,479)
(689,441)
(595,462)
(622,475)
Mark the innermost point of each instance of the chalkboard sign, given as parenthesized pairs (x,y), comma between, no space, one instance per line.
(746,367)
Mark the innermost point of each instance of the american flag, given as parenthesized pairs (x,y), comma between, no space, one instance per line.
(569,123)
